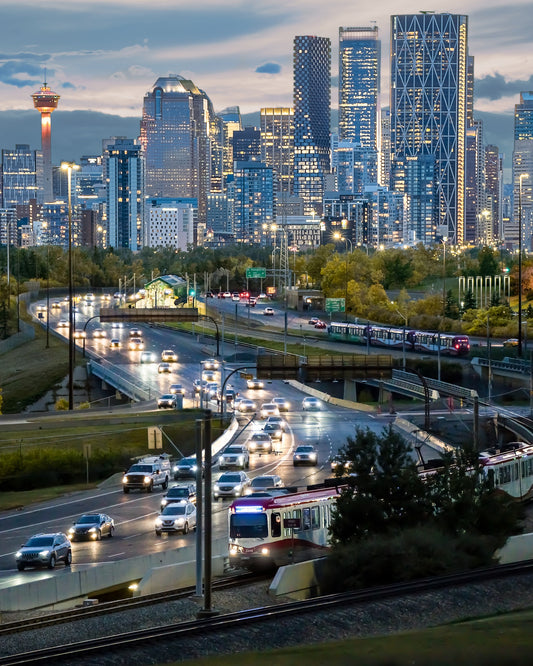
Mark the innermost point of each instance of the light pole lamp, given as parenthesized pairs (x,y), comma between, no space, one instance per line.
(337,236)
(69,167)
(520,179)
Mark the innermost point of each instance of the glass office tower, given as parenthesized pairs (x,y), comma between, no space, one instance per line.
(359,82)
(523,167)
(429,108)
(312,101)
(19,175)
(277,144)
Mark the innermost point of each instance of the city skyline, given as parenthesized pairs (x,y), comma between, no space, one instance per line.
(238,52)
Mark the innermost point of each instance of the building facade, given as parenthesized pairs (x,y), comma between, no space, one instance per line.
(171,224)
(429,108)
(523,168)
(19,175)
(252,193)
(277,145)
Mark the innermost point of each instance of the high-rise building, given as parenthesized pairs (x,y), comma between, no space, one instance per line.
(494,187)
(123,168)
(277,145)
(231,122)
(46,101)
(171,223)
(523,167)
(246,145)
(175,136)
(385,149)
(19,175)
(312,101)
(253,201)
(429,111)
(359,85)
(355,167)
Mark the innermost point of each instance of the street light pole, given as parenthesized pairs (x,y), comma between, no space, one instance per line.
(443,241)
(520,179)
(69,166)
(337,236)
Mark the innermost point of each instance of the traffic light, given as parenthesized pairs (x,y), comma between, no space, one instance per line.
(192,293)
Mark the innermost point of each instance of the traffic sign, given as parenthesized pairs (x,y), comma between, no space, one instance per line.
(335,305)
(256,273)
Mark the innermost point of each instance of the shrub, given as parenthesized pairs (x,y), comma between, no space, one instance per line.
(61,405)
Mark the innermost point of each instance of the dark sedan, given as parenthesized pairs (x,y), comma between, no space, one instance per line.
(92,526)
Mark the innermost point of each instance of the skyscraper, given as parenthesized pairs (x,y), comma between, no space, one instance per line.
(175,136)
(19,175)
(46,101)
(253,201)
(523,164)
(277,145)
(429,110)
(494,187)
(231,122)
(359,85)
(312,100)
(123,167)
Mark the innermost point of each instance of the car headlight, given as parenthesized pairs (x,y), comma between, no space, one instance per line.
(158,522)
(241,460)
(71,531)
(124,479)
(44,553)
(164,502)
(175,468)
(93,529)
(216,487)
(146,479)
(222,460)
(194,468)
(18,555)
(179,521)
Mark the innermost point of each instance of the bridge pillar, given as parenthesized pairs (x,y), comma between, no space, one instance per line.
(350,390)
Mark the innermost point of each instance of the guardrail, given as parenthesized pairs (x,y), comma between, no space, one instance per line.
(522,367)
(443,387)
(131,387)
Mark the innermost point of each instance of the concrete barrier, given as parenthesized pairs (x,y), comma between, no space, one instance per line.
(67,589)
(325,397)
(516,549)
(298,581)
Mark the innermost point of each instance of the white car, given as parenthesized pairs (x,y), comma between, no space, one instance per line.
(169,356)
(269,409)
(231,484)
(305,454)
(246,406)
(168,400)
(177,389)
(99,334)
(266,482)
(311,404)
(136,344)
(268,312)
(234,455)
(176,517)
(208,376)
(114,344)
(283,404)
(211,364)
(255,383)
(164,367)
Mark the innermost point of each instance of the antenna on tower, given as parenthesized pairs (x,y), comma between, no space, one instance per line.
(44,77)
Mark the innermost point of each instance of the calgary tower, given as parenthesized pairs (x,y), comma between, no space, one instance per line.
(45,101)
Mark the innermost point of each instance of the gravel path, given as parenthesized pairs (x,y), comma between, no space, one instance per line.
(370,619)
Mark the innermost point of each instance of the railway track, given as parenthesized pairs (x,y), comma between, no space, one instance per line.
(120,646)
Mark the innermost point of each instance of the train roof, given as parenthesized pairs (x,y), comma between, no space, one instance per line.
(280,501)
(521,451)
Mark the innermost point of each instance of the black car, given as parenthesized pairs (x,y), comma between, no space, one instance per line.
(92,526)
(186,467)
(44,550)
(185,493)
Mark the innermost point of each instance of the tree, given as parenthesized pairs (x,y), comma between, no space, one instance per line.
(488,261)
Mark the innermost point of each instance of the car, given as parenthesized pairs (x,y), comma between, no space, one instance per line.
(208,375)
(79,335)
(116,325)
(311,404)
(279,421)
(99,334)
(229,396)
(105,298)
(255,383)
(283,404)
(147,357)
(269,409)
(313,320)
(246,405)
(164,367)
(136,333)
(199,385)
(235,296)
(226,294)
(182,493)
(168,400)
(260,442)
(63,323)
(305,454)
(176,517)
(176,389)
(231,484)
(169,356)
(250,303)
(209,294)
(274,430)
(340,467)
(268,312)
(211,364)
(146,473)
(44,550)
(263,483)
(186,468)
(136,344)
(211,389)
(92,526)
(511,342)
(114,344)
(321,324)
(56,305)
(234,455)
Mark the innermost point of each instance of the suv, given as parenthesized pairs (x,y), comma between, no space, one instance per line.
(185,493)
(44,550)
(234,455)
(147,473)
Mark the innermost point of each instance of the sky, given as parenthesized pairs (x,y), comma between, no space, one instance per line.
(104,55)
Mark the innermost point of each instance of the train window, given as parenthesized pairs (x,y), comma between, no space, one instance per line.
(297,513)
(248,525)
(315,517)
(275,524)
(306,524)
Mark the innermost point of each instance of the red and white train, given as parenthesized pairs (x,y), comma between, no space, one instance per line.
(273,531)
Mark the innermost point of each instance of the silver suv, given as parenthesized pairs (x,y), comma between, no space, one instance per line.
(235,455)
(44,550)
(147,473)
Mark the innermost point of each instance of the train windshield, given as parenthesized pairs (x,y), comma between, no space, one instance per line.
(248,526)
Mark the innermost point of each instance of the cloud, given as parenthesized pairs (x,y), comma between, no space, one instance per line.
(20,74)
(68,85)
(495,86)
(268,68)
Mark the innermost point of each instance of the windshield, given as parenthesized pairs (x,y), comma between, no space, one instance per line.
(263,482)
(229,478)
(233,449)
(39,542)
(178,492)
(304,449)
(145,469)
(244,526)
(188,462)
(174,509)
(84,520)
(261,438)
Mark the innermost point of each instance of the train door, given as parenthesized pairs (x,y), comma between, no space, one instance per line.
(275,525)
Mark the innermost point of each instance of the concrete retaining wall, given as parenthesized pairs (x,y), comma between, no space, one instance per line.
(298,581)
(325,397)
(516,549)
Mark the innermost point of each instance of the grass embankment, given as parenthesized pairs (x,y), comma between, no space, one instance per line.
(506,639)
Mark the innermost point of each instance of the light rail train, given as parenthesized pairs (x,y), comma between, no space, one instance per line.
(393,338)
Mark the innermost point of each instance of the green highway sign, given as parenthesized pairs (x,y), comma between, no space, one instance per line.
(256,272)
(335,305)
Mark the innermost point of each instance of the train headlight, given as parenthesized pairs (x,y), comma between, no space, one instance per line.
(233,550)
(265,551)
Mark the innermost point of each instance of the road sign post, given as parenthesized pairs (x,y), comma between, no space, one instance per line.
(335,305)
(256,273)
